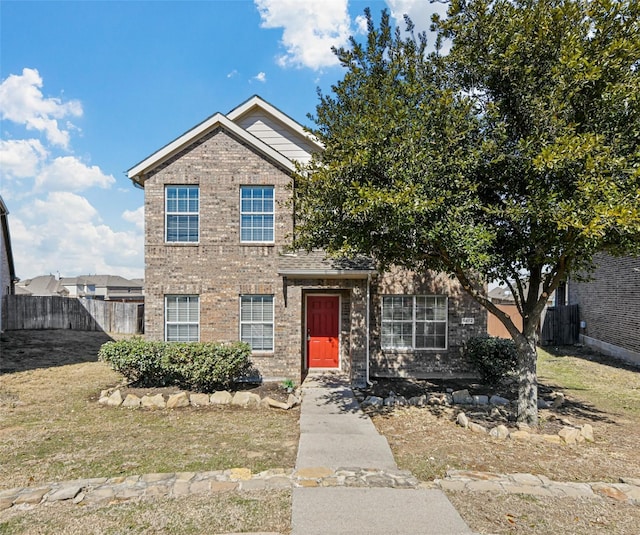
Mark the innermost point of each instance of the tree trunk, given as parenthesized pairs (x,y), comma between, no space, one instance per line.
(527,381)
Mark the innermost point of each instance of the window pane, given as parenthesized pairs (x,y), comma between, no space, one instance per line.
(182,316)
(256,321)
(256,214)
(182,219)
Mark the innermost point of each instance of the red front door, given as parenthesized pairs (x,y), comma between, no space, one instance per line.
(323,331)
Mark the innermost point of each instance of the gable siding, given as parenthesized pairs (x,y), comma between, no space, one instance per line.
(276,135)
(610,303)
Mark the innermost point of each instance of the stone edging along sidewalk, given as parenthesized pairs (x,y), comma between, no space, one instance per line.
(117,489)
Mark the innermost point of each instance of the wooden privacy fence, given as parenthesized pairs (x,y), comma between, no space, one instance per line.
(561,326)
(52,312)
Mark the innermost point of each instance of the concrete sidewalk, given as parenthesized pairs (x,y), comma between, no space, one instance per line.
(335,433)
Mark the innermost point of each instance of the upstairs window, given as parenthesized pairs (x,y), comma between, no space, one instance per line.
(256,214)
(414,322)
(182,209)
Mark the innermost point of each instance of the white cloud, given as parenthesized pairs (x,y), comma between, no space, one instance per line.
(21,158)
(232,74)
(260,77)
(63,232)
(136,217)
(22,102)
(419,11)
(310,29)
(67,173)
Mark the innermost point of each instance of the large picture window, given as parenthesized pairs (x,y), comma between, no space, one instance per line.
(256,321)
(182,208)
(414,322)
(256,214)
(182,318)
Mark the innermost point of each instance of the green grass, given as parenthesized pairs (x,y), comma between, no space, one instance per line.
(610,386)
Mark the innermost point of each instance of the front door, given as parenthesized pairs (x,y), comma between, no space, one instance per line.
(323,331)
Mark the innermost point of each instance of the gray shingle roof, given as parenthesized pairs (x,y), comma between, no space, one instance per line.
(316,264)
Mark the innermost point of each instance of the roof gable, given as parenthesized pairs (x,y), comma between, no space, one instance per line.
(238,122)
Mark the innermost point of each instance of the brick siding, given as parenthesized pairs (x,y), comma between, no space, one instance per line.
(610,303)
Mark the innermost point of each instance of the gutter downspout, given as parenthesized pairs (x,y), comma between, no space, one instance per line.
(369,383)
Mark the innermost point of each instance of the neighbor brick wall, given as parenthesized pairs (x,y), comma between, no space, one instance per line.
(219,268)
(426,363)
(610,303)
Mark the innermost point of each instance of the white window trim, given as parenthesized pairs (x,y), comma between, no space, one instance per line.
(166,322)
(241,213)
(167,213)
(414,321)
(273,323)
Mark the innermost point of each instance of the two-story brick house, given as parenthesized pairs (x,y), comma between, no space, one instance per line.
(217,221)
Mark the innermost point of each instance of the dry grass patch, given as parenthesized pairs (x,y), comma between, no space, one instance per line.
(218,513)
(52,428)
(602,393)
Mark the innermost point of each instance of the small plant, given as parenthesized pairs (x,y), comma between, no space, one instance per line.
(493,358)
(288,385)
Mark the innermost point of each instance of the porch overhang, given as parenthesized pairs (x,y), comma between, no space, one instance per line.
(316,265)
(325,273)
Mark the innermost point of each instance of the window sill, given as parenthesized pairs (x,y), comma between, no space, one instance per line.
(181,244)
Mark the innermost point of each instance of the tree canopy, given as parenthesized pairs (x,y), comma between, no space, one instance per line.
(514,157)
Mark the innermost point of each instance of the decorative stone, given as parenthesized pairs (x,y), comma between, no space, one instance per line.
(497,400)
(315,472)
(558,400)
(373,401)
(500,431)
(221,398)
(115,399)
(245,399)
(552,439)
(462,420)
(175,401)
(199,400)
(293,400)
(418,401)
(131,401)
(477,428)
(31,496)
(390,400)
(462,397)
(153,402)
(240,474)
(401,401)
(520,435)
(542,404)
(269,402)
(586,431)
(610,491)
(569,435)
(480,400)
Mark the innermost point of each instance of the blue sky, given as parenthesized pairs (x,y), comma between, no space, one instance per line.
(90,88)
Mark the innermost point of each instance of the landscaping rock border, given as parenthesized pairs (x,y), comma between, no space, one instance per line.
(496,407)
(244,399)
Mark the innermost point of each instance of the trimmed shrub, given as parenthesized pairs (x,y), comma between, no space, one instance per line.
(197,366)
(492,357)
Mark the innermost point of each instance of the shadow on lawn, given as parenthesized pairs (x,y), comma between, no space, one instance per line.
(37,349)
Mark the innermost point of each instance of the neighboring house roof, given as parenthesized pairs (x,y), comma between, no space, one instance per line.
(316,264)
(240,124)
(6,239)
(41,285)
(502,294)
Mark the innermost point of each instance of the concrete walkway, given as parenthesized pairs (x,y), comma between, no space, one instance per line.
(335,434)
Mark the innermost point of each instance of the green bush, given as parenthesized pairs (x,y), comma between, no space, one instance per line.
(492,357)
(198,366)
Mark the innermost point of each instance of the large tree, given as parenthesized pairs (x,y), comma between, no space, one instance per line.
(514,157)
